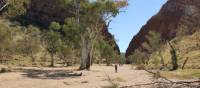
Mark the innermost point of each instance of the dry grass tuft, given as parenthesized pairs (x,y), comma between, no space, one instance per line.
(182,74)
(119,79)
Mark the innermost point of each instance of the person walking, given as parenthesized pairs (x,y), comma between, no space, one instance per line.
(116,68)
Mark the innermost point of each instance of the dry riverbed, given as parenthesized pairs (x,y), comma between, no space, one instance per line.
(98,77)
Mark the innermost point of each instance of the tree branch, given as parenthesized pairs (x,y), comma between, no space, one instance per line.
(169,82)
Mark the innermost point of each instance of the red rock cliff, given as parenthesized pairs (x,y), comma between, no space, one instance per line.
(176,17)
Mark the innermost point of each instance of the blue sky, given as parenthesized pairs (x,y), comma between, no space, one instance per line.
(128,23)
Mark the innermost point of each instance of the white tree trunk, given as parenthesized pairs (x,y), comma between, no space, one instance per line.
(84,54)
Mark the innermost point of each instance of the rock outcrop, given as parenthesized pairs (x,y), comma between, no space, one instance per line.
(43,12)
(176,17)
(110,38)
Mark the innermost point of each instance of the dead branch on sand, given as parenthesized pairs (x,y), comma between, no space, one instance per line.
(163,82)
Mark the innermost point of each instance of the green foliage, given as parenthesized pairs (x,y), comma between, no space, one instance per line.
(154,62)
(92,21)
(52,41)
(65,50)
(5,38)
(102,6)
(153,46)
(173,57)
(62,40)
(138,57)
(107,52)
(71,32)
(182,47)
(30,44)
(122,59)
(66,2)
(66,54)
(54,26)
(16,8)
(154,42)
(150,53)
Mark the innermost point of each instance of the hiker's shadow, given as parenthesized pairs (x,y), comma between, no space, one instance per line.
(50,74)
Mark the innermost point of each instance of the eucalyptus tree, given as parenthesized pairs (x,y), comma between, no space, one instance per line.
(52,40)
(5,38)
(66,54)
(30,44)
(91,16)
(174,59)
(96,14)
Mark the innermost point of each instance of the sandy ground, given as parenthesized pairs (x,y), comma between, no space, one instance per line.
(52,78)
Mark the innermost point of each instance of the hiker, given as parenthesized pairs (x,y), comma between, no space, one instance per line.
(115,68)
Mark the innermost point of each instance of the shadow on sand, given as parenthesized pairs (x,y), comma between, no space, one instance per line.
(50,74)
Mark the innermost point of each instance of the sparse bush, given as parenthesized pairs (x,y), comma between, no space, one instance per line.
(119,79)
(112,83)
(140,67)
(3,70)
(138,57)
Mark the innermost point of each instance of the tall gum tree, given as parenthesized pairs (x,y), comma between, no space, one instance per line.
(91,17)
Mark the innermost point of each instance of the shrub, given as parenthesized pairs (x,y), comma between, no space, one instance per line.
(140,67)
(3,70)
